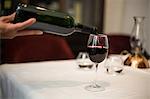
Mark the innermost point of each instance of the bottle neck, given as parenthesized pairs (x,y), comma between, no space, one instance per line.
(137,31)
(85,29)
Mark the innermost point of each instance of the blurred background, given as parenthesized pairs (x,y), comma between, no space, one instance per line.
(113,17)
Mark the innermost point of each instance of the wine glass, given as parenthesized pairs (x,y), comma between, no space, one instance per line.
(114,65)
(84,61)
(98,50)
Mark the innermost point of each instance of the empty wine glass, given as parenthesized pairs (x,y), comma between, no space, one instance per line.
(114,65)
(84,61)
(98,50)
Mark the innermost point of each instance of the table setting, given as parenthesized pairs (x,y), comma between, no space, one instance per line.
(65,79)
(106,78)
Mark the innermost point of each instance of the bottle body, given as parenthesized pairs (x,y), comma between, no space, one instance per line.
(49,21)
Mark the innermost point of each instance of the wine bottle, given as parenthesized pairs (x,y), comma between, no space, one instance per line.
(50,21)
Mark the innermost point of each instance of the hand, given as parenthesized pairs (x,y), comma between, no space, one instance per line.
(9,30)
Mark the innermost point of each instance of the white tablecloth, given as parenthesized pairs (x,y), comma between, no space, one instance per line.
(64,80)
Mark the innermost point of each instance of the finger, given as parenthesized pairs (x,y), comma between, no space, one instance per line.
(23,25)
(29,32)
(12,16)
(8,18)
(2,25)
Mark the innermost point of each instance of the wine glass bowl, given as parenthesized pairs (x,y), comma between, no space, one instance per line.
(98,49)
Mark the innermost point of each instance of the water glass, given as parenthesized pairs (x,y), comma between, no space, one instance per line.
(114,65)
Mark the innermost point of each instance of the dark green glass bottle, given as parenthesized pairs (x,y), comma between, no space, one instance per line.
(50,21)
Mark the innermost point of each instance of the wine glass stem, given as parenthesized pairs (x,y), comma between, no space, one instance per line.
(95,80)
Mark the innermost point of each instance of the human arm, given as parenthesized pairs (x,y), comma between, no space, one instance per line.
(10,30)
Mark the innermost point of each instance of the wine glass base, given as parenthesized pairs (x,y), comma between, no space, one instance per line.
(94,88)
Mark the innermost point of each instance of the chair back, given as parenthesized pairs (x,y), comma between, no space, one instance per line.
(118,43)
(35,48)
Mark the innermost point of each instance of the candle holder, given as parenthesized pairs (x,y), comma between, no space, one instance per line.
(136,58)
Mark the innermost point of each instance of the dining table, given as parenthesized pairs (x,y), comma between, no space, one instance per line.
(63,79)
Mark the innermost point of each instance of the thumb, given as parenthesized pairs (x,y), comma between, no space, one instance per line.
(29,32)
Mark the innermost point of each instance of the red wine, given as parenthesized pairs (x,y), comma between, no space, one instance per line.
(97,53)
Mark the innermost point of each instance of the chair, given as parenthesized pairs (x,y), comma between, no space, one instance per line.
(118,43)
(35,48)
